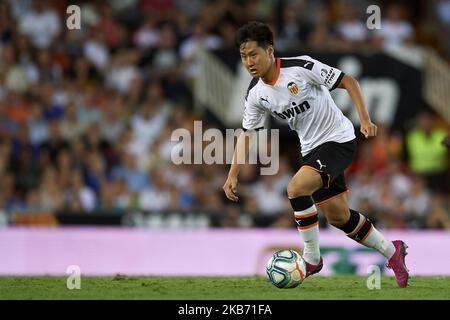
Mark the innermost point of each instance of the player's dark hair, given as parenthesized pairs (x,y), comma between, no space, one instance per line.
(255,31)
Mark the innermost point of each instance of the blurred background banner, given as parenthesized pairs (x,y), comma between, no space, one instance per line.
(219,252)
(87,115)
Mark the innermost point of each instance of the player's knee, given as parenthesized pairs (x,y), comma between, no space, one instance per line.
(300,187)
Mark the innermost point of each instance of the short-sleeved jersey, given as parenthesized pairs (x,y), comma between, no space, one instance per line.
(300,95)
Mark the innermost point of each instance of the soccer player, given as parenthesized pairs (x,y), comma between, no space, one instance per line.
(297,90)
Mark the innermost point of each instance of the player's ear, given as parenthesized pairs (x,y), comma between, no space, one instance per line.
(270,50)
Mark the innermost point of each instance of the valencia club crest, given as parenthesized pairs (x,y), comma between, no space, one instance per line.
(292,87)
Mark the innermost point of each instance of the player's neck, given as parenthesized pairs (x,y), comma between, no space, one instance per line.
(271,74)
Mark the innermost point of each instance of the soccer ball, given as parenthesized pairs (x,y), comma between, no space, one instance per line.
(286,269)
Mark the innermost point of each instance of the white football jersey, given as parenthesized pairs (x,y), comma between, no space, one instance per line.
(300,95)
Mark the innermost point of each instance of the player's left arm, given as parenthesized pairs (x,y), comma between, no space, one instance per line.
(322,74)
(368,128)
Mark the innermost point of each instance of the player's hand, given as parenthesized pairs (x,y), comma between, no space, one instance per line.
(230,188)
(368,129)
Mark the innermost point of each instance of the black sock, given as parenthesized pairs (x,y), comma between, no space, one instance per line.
(357,227)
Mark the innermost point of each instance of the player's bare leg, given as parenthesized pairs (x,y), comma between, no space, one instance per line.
(299,191)
(361,229)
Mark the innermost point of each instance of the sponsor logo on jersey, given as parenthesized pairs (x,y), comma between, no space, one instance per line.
(292,112)
(292,87)
(330,77)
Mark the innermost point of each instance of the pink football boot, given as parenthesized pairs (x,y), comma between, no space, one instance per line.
(397,263)
(313,268)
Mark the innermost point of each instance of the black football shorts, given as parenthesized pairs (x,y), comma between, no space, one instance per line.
(330,160)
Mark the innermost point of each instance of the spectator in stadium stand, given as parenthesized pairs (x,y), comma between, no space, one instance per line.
(113,123)
(71,128)
(50,192)
(79,194)
(199,38)
(136,178)
(94,170)
(55,144)
(417,203)
(107,26)
(396,32)
(157,195)
(442,13)
(6,24)
(269,199)
(13,73)
(427,156)
(438,217)
(351,30)
(37,125)
(294,28)
(320,36)
(41,24)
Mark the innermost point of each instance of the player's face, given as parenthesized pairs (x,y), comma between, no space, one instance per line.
(256,60)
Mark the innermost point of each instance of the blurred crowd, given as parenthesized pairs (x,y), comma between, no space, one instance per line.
(86,116)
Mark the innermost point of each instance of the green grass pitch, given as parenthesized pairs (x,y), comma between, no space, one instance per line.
(220,288)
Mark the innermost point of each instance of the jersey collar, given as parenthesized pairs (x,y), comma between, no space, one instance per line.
(277,73)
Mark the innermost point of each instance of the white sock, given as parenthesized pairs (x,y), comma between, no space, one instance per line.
(378,242)
(308,227)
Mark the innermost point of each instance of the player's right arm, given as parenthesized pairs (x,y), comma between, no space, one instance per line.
(253,120)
